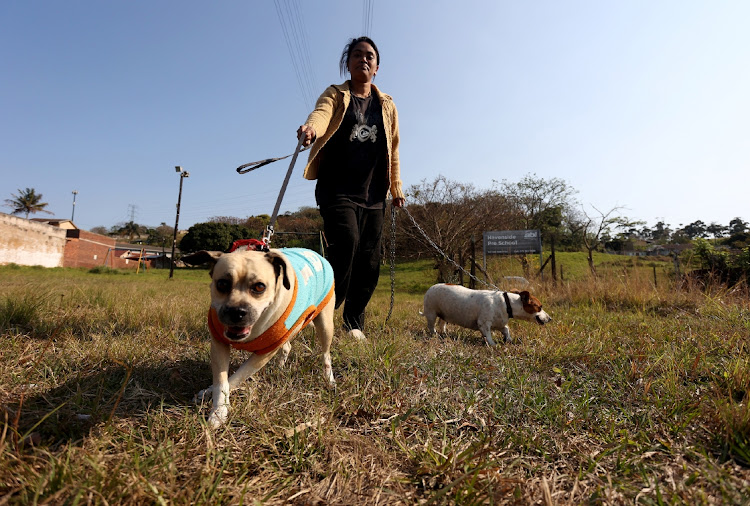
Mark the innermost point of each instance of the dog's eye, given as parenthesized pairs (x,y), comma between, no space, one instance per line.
(223,286)
(258,288)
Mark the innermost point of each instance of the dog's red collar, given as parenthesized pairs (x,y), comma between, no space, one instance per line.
(249,244)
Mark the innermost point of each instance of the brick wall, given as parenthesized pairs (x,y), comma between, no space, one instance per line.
(25,242)
(86,249)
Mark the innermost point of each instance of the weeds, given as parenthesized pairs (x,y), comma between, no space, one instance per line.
(21,312)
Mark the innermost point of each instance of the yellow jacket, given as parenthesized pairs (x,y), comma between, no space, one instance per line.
(327,117)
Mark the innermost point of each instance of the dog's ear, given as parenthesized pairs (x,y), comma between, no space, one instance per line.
(279,266)
(524,297)
(202,257)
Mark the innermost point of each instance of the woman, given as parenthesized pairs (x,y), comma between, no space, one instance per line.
(354,157)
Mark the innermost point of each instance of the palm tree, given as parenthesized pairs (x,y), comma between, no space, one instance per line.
(27,201)
(130,229)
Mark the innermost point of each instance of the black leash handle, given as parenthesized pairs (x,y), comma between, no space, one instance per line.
(248,167)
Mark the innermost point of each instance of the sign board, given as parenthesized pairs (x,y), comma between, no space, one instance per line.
(512,242)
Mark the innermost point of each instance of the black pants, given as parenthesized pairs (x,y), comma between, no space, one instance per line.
(353,234)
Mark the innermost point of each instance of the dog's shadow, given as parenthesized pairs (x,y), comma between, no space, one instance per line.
(67,413)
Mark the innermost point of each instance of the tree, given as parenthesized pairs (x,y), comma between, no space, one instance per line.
(695,230)
(213,237)
(543,203)
(160,235)
(547,205)
(740,240)
(442,217)
(597,228)
(661,232)
(716,230)
(736,226)
(231,220)
(258,223)
(101,230)
(305,220)
(624,239)
(646,233)
(27,201)
(129,230)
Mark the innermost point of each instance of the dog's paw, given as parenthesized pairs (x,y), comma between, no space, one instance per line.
(328,374)
(218,417)
(506,336)
(204,395)
(284,355)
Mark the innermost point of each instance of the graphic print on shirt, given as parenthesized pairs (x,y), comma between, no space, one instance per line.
(361,131)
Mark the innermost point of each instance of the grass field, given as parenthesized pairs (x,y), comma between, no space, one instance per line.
(635,393)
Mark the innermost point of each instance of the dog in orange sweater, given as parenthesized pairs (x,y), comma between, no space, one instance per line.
(259,301)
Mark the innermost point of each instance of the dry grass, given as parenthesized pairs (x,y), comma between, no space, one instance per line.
(632,394)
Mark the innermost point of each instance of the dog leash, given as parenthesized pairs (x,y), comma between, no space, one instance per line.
(244,169)
(392,262)
(262,245)
(450,260)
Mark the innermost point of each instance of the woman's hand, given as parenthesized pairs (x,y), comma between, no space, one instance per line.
(398,202)
(309,135)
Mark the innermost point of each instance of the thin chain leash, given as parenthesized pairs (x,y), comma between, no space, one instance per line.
(437,248)
(392,262)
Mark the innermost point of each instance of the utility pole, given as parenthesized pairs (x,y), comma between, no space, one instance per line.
(73,215)
(183,175)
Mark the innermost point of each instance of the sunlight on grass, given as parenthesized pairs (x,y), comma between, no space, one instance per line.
(636,392)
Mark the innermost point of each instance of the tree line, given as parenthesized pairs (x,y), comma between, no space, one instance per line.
(448,216)
(445,220)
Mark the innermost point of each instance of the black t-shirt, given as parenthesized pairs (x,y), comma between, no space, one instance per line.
(353,161)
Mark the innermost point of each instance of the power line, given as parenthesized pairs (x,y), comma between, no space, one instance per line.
(304,51)
(288,12)
(367,12)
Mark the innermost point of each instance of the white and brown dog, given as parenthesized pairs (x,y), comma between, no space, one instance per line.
(259,301)
(481,310)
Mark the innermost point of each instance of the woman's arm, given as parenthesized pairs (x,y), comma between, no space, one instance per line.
(318,120)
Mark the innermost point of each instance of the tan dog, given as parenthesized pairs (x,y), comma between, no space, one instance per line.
(259,301)
(481,310)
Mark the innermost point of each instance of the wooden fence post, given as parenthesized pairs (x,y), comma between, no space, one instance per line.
(553,265)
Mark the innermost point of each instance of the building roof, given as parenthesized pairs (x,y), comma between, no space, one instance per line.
(57,222)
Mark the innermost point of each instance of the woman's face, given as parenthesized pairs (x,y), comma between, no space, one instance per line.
(363,62)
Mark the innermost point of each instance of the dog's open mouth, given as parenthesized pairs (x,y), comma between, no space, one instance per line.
(237,333)
(540,321)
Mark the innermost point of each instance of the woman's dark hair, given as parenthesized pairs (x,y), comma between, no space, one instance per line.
(343,63)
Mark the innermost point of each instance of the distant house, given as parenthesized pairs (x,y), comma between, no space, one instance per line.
(59,243)
(59,223)
(86,249)
(155,256)
(664,250)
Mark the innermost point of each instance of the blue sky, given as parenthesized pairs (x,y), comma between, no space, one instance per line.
(639,104)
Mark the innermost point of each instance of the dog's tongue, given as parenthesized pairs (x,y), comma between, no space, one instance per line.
(237,333)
